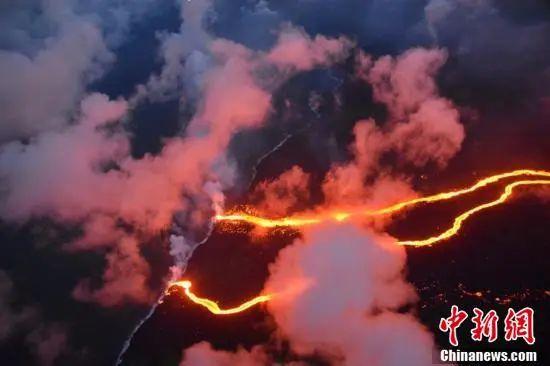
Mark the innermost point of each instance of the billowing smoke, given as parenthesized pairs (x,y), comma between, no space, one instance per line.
(185,57)
(48,175)
(295,49)
(67,161)
(66,151)
(30,82)
(280,196)
(125,278)
(51,51)
(202,354)
(338,291)
(339,294)
(50,82)
(421,128)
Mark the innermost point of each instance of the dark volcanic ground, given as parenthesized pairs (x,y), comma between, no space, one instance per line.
(498,260)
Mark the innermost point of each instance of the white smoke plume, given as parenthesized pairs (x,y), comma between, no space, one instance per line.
(338,291)
(53,50)
(202,354)
(90,153)
(422,128)
(338,294)
(185,55)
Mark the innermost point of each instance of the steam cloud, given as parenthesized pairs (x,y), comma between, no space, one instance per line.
(65,154)
(48,175)
(422,127)
(278,197)
(338,292)
(202,354)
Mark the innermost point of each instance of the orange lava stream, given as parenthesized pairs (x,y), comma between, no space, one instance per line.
(342,216)
(213,306)
(457,224)
(297,221)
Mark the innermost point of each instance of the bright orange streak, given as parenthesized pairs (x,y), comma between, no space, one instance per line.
(269,223)
(451,194)
(212,306)
(457,224)
(341,216)
(297,221)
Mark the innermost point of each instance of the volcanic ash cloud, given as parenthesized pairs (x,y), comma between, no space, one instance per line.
(338,291)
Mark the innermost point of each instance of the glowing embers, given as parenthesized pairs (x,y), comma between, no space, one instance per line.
(212,306)
(270,223)
(303,220)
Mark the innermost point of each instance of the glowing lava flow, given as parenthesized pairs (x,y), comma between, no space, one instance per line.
(269,223)
(342,216)
(457,224)
(212,306)
(297,221)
